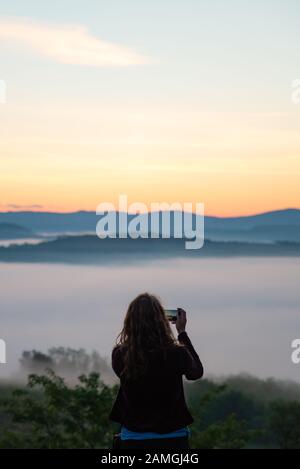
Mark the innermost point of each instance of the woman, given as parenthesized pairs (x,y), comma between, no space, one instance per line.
(150,405)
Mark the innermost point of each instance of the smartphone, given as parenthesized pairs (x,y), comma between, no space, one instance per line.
(171,314)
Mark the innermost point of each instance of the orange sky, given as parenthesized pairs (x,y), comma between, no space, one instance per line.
(213,123)
(72,184)
(231,163)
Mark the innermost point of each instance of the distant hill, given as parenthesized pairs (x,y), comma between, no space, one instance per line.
(92,250)
(13,231)
(281,225)
(50,222)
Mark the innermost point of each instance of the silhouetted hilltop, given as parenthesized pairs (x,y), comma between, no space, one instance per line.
(281,225)
(13,231)
(90,249)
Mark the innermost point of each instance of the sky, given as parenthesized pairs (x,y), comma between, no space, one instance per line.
(188,101)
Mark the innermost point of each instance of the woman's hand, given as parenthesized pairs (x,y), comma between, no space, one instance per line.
(181,320)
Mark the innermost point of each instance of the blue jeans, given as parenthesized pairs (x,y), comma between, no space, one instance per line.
(159,443)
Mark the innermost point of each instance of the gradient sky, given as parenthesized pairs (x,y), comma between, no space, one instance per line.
(167,100)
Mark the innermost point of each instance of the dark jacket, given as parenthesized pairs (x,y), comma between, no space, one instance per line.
(156,402)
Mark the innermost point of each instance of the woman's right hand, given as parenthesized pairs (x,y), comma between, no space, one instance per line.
(181,320)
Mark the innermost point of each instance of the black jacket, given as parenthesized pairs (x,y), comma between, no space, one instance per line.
(156,402)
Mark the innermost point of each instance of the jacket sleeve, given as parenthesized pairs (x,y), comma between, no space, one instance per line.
(116,361)
(190,362)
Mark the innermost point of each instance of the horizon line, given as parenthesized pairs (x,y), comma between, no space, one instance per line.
(148,212)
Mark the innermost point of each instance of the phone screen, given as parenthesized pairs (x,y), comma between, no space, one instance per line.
(171,314)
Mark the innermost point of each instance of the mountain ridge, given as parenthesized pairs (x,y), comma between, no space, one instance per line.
(89,249)
(285,223)
(14,231)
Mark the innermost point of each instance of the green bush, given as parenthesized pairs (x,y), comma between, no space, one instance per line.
(56,415)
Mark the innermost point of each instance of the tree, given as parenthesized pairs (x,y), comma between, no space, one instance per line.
(59,416)
(228,434)
(284,423)
(35,361)
(218,427)
(66,361)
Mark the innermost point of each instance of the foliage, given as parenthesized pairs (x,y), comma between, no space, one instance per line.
(60,416)
(284,423)
(228,434)
(221,419)
(52,412)
(65,361)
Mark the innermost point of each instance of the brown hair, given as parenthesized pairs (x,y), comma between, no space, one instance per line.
(146,329)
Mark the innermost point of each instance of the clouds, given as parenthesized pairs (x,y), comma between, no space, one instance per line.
(68,44)
(21,207)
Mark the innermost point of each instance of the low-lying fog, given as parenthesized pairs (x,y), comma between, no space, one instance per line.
(243,313)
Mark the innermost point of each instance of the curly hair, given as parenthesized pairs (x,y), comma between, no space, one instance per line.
(146,329)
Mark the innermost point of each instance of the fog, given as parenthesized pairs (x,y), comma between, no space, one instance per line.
(21,241)
(243,313)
